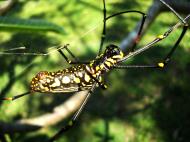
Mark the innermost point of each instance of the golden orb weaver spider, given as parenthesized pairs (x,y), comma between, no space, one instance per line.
(88,75)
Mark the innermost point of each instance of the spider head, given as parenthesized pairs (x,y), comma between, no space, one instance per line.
(114,52)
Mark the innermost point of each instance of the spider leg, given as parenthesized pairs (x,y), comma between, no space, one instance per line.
(134,66)
(76,61)
(103,35)
(161,64)
(161,37)
(75,116)
(8,52)
(139,33)
(173,11)
(158,39)
(136,40)
(100,82)
(165,60)
(105,18)
(16,96)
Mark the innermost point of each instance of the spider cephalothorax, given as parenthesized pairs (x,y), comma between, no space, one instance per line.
(106,61)
(114,52)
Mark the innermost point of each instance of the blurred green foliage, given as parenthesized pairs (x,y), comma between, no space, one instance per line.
(138,106)
(10,23)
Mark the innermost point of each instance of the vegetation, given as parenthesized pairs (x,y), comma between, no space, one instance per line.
(145,105)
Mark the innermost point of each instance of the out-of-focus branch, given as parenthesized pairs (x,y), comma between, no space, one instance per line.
(59,113)
(7,4)
(153,12)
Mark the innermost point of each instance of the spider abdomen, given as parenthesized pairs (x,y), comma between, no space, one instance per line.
(72,79)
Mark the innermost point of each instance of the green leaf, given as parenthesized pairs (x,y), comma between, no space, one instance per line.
(10,23)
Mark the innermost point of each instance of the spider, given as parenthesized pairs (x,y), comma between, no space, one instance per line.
(87,75)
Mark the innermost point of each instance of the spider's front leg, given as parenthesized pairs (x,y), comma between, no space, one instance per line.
(106,18)
(166,59)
